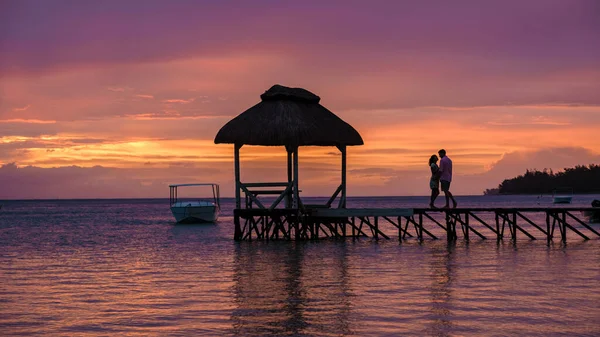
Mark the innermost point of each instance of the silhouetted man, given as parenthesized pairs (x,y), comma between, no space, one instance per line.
(446,177)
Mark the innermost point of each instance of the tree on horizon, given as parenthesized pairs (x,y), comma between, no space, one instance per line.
(581,179)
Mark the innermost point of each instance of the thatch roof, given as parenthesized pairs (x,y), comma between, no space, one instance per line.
(290,117)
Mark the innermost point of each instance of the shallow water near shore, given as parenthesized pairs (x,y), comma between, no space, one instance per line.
(100,267)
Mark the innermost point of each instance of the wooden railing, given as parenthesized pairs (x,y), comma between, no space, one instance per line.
(253,190)
(285,191)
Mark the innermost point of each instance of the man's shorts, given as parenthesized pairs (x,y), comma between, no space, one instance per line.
(445,185)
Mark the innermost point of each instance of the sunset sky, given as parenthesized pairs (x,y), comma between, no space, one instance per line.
(122,98)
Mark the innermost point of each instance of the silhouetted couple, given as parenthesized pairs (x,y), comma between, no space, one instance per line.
(441,175)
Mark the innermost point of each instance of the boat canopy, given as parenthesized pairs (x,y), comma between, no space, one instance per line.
(204,184)
(173,197)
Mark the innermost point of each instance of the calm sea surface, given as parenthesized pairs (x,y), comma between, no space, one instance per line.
(122,267)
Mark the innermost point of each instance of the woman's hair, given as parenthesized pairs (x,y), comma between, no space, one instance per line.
(433,159)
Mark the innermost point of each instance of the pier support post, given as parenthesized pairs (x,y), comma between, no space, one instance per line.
(450,226)
(514,227)
(238,230)
(548,234)
(420,229)
(563,227)
(466,226)
(499,234)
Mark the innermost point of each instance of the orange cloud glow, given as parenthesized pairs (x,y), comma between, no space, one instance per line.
(411,78)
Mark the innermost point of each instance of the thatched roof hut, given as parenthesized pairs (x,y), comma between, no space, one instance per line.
(289,117)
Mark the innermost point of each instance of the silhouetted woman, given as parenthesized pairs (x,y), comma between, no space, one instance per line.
(434,182)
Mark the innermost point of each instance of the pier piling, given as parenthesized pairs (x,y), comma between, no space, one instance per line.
(419,223)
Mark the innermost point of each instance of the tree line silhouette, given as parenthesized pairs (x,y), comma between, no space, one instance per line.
(581,179)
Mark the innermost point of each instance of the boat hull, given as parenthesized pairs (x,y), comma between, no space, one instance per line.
(563,199)
(195,214)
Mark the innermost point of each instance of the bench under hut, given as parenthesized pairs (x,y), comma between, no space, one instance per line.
(289,117)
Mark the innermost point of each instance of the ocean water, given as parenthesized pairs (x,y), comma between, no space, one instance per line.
(122,267)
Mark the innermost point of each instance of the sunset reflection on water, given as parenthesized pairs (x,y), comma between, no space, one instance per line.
(122,267)
(281,289)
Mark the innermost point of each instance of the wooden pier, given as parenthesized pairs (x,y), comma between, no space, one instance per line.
(404,223)
(292,118)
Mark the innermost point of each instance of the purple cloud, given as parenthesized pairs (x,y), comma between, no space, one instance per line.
(489,37)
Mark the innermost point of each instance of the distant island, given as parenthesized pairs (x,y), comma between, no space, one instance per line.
(581,179)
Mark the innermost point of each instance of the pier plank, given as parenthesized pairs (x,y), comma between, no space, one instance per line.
(361,212)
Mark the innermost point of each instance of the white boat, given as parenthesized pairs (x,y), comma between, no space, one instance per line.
(194,211)
(562,197)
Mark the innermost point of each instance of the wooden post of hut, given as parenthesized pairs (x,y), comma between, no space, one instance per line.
(288,197)
(236,160)
(296,193)
(342,203)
